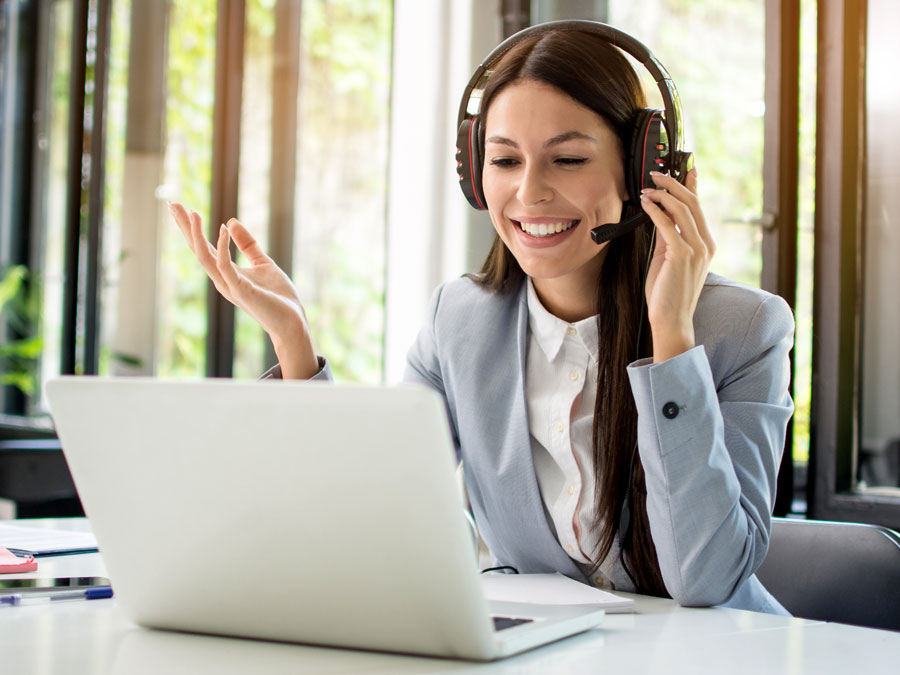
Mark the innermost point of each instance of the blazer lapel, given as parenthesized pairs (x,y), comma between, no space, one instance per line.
(526,532)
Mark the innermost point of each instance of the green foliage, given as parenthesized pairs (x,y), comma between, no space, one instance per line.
(347,317)
(339,263)
(188,169)
(19,308)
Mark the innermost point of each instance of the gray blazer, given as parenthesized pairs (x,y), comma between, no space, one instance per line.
(710,467)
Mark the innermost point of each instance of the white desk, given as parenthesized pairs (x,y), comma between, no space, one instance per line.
(660,637)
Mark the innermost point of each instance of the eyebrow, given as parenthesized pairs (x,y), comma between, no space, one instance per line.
(556,140)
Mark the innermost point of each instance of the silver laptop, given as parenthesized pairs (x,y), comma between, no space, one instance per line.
(290,511)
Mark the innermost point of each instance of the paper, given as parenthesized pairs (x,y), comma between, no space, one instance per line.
(550,589)
(39,541)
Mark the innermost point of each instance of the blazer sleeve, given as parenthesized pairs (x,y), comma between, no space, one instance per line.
(324,374)
(711,446)
(423,363)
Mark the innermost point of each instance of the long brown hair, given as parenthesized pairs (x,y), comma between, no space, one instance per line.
(590,70)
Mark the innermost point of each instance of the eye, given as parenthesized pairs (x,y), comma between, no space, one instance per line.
(503,162)
(571,161)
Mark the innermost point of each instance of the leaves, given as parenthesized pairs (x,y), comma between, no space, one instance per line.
(11,284)
(18,308)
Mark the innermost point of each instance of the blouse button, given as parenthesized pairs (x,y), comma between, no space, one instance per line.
(573,375)
(670,410)
(572,331)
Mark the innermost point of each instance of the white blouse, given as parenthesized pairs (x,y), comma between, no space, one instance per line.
(560,391)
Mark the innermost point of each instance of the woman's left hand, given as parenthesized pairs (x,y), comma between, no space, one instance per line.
(684,248)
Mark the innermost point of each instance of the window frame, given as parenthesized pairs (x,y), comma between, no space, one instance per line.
(837,295)
(780,181)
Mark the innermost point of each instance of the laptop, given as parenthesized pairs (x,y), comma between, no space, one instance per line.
(290,511)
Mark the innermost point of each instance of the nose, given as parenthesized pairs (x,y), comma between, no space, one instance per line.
(533,187)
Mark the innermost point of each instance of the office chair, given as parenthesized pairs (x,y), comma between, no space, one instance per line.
(843,572)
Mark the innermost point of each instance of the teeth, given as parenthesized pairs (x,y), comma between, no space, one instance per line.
(545,229)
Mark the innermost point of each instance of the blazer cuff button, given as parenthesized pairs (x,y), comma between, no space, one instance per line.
(670,410)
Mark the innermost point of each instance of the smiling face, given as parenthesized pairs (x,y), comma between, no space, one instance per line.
(552,171)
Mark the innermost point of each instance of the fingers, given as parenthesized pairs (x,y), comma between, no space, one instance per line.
(224,264)
(204,251)
(690,183)
(216,259)
(683,206)
(191,225)
(246,243)
(183,220)
(669,238)
(677,206)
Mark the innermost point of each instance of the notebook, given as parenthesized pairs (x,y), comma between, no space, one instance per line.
(39,541)
(290,511)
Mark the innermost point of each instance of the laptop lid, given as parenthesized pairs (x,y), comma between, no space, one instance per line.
(294,511)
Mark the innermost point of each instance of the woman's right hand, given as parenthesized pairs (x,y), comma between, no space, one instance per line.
(262,290)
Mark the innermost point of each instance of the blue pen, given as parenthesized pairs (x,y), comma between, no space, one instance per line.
(95,593)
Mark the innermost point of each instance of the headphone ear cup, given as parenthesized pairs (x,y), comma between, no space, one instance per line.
(649,151)
(469,162)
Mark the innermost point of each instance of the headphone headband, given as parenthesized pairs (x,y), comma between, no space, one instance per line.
(673,121)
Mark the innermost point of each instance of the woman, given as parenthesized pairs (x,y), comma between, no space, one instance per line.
(619,422)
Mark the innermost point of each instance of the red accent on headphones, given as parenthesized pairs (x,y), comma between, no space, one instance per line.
(643,159)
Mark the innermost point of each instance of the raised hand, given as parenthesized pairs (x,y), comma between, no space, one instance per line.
(262,290)
(684,249)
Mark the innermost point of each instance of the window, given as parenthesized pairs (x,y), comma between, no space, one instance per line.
(272,110)
(854,406)
(879,442)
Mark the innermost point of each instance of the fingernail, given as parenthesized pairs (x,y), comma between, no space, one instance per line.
(646,190)
(655,173)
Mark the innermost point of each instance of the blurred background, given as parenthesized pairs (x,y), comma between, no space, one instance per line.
(327,127)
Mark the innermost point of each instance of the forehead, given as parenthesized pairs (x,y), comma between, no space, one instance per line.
(530,107)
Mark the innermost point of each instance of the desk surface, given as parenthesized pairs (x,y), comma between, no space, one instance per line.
(96,637)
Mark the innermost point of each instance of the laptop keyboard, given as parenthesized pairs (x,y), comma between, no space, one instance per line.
(503,622)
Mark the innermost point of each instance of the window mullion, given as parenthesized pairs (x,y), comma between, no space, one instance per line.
(97,185)
(283,176)
(69,344)
(780,180)
(225,171)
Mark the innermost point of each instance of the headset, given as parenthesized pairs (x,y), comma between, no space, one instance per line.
(655,140)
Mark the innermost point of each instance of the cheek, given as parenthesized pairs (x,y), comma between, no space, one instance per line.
(602,195)
(492,184)
(498,223)
(495,196)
